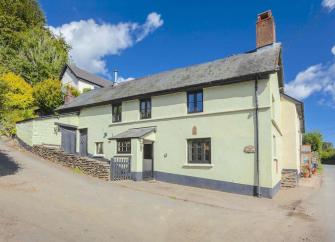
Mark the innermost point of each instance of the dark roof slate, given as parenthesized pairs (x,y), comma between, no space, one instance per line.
(230,69)
(89,77)
(134,133)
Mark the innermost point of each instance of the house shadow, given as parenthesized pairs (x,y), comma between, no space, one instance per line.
(7,165)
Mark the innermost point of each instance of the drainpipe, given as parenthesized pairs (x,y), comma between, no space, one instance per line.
(257,138)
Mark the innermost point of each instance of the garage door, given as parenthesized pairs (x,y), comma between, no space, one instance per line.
(68,139)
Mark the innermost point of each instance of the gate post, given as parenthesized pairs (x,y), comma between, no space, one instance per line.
(111,172)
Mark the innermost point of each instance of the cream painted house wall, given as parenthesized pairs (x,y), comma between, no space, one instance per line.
(44,130)
(276,133)
(24,131)
(228,119)
(292,137)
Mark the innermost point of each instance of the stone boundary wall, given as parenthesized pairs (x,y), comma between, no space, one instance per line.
(88,166)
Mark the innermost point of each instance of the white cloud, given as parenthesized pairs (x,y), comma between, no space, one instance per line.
(91,42)
(315,79)
(333,50)
(328,4)
(122,79)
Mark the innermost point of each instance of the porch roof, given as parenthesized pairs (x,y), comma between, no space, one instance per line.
(134,133)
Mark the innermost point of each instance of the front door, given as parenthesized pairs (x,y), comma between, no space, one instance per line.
(148,165)
(83,142)
(68,139)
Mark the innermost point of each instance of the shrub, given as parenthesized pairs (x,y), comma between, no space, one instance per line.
(16,102)
(48,95)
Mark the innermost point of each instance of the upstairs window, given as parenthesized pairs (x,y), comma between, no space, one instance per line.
(123,146)
(195,101)
(117,112)
(199,151)
(145,108)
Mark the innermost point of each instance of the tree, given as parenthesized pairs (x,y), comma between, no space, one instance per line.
(26,11)
(27,47)
(48,95)
(41,55)
(16,16)
(16,102)
(315,139)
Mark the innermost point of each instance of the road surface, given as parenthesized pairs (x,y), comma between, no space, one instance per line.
(42,201)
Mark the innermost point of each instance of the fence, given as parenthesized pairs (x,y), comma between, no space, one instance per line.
(120,168)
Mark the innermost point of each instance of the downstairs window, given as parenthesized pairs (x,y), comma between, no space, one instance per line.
(199,151)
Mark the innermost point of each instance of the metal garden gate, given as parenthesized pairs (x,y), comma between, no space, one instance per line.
(120,168)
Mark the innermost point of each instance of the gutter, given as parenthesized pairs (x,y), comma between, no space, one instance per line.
(258,192)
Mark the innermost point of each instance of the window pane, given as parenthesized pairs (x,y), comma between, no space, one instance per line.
(199,151)
(199,96)
(142,106)
(199,106)
(195,101)
(99,148)
(207,151)
(124,146)
(190,107)
(199,147)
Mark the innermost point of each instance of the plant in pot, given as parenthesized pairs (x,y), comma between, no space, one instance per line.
(305,171)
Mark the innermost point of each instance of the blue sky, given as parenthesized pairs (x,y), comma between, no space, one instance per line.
(145,37)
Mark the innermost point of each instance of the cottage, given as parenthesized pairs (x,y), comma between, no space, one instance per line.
(224,125)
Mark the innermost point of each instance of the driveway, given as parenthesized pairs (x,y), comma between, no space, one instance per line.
(42,201)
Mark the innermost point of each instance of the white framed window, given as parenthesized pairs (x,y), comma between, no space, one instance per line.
(123,146)
(199,151)
(99,148)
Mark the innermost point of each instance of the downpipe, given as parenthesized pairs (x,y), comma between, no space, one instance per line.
(257,139)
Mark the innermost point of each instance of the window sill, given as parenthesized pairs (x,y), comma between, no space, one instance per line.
(198,166)
(99,155)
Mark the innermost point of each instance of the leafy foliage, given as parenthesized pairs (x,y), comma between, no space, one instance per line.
(41,55)
(325,149)
(28,48)
(315,139)
(48,95)
(74,91)
(87,89)
(26,11)
(16,102)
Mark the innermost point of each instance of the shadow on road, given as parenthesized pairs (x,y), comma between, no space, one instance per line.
(7,165)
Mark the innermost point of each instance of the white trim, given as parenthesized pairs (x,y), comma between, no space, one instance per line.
(195,165)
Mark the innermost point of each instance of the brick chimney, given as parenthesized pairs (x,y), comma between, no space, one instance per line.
(265,29)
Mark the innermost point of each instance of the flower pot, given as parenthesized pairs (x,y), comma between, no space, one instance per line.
(306,174)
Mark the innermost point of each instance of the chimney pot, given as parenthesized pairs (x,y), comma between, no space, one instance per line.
(265,29)
(116,73)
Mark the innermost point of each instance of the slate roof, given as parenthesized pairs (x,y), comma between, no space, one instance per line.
(134,133)
(86,76)
(231,69)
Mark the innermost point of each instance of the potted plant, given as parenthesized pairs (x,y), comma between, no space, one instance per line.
(305,171)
